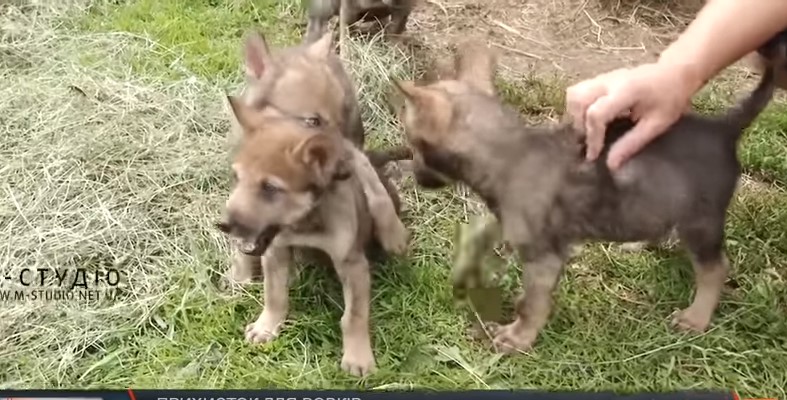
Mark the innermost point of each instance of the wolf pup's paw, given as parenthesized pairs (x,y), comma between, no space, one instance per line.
(260,332)
(394,239)
(691,320)
(358,362)
(633,247)
(512,338)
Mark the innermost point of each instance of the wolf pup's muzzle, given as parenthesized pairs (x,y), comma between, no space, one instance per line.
(249,241)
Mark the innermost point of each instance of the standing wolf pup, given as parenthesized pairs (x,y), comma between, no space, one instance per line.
(546,197)
(366,13)
(296,187)
(309,82)
(301,181)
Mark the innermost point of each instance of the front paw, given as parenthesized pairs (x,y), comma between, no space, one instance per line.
(358,362)
(512,338)
(691,320)
(633,247)
(394,239)
(262,331)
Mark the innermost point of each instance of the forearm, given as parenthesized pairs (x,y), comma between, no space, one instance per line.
(723,32)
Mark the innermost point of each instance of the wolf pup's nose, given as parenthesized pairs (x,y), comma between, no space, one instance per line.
(226,223)
(223,226)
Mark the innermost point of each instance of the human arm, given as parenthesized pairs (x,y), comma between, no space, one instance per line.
(722,33)
(656,94)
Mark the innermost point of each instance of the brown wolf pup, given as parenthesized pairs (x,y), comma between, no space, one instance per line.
(309,82)
(362,16)
(300,185)
(546,197)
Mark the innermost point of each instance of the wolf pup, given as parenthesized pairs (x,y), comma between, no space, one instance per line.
(309,82)
(296,186)
(546,197)
(365,13)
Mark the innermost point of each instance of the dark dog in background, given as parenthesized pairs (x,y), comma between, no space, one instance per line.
(363,16)
(546,196)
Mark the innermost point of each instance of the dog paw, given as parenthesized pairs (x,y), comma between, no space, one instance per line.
(358,362)
(512,338)
(394,240)
(576,250)
(260,332)
(690,320)
(632,247)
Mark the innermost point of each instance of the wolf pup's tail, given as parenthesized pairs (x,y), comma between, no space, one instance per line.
(747,110)
(379,158)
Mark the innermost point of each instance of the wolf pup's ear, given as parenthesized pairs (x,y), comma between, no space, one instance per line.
(242,113)
(409,91)
(320,153)
(475,64)
(256,55)
(426,108)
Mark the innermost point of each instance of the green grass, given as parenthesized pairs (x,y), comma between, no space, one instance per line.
(198,37)
(134,173)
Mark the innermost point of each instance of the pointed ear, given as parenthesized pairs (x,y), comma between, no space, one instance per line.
(425,108)
(257,55)
(418,98)
(240,111)
(408,89)
(475,64)
(322,46)
(320,153)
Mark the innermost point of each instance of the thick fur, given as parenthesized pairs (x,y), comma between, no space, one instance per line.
(547,197)
(360,15)
(299,186)
(309,83)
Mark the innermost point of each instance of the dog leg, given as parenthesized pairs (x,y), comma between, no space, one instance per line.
(399,15)
(244,268)
(358,358)
(711,267)
(389,229)
(390,189)
(276,269)
(541,273)
(319,14)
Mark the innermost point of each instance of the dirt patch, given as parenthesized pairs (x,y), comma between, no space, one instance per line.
(570,38)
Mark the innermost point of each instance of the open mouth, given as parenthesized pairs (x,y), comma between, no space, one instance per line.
(257,246)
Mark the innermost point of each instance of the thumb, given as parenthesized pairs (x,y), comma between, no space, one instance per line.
(647,129)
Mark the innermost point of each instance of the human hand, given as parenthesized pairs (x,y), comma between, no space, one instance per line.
(653,95)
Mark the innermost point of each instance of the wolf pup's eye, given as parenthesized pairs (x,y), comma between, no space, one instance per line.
(268,189)
(313,121)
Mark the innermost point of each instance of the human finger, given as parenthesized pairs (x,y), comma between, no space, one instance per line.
(579,97)
(646,129)
(599,114)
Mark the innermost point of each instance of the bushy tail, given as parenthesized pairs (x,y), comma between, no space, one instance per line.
(747,110)
(379,158)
